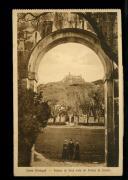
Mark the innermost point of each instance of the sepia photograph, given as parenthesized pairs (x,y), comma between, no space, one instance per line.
(67,92)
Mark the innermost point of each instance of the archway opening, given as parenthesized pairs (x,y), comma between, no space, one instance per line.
(90,40)
(70,77)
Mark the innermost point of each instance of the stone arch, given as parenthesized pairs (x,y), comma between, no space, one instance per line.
(88,39)
(63,36)
(92,21)
(103,40)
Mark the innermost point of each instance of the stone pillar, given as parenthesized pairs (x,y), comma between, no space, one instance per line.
(32,84)
(29,84)
(109,124)
(116,120)
(32,81)
(32,154)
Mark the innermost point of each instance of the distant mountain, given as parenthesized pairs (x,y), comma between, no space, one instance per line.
(72,91)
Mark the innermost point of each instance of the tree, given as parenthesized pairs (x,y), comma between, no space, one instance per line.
(94,103)
(85,107)
(32,115)
(98,98)
(42,110)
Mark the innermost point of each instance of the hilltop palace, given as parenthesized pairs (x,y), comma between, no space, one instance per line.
(73,79)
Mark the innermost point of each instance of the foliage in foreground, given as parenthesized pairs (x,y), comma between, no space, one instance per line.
(33,114)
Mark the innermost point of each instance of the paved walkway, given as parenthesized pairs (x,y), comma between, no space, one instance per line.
(38,160)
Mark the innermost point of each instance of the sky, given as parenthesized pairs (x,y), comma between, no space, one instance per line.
(70,57)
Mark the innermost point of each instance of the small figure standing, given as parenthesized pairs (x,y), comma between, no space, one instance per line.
(77,151)
(70,149)
(65,150)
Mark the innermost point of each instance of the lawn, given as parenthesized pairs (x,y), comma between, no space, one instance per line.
(92,142)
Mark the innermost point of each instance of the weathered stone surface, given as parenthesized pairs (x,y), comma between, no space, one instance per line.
(64,36)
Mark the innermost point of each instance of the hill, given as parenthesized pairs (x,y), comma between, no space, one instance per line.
(72,91)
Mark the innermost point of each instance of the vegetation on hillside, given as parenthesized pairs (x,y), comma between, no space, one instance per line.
(76,98)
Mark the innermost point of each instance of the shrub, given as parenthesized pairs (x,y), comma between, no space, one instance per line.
(33,114)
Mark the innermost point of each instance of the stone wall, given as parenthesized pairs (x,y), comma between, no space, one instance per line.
(31,30)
